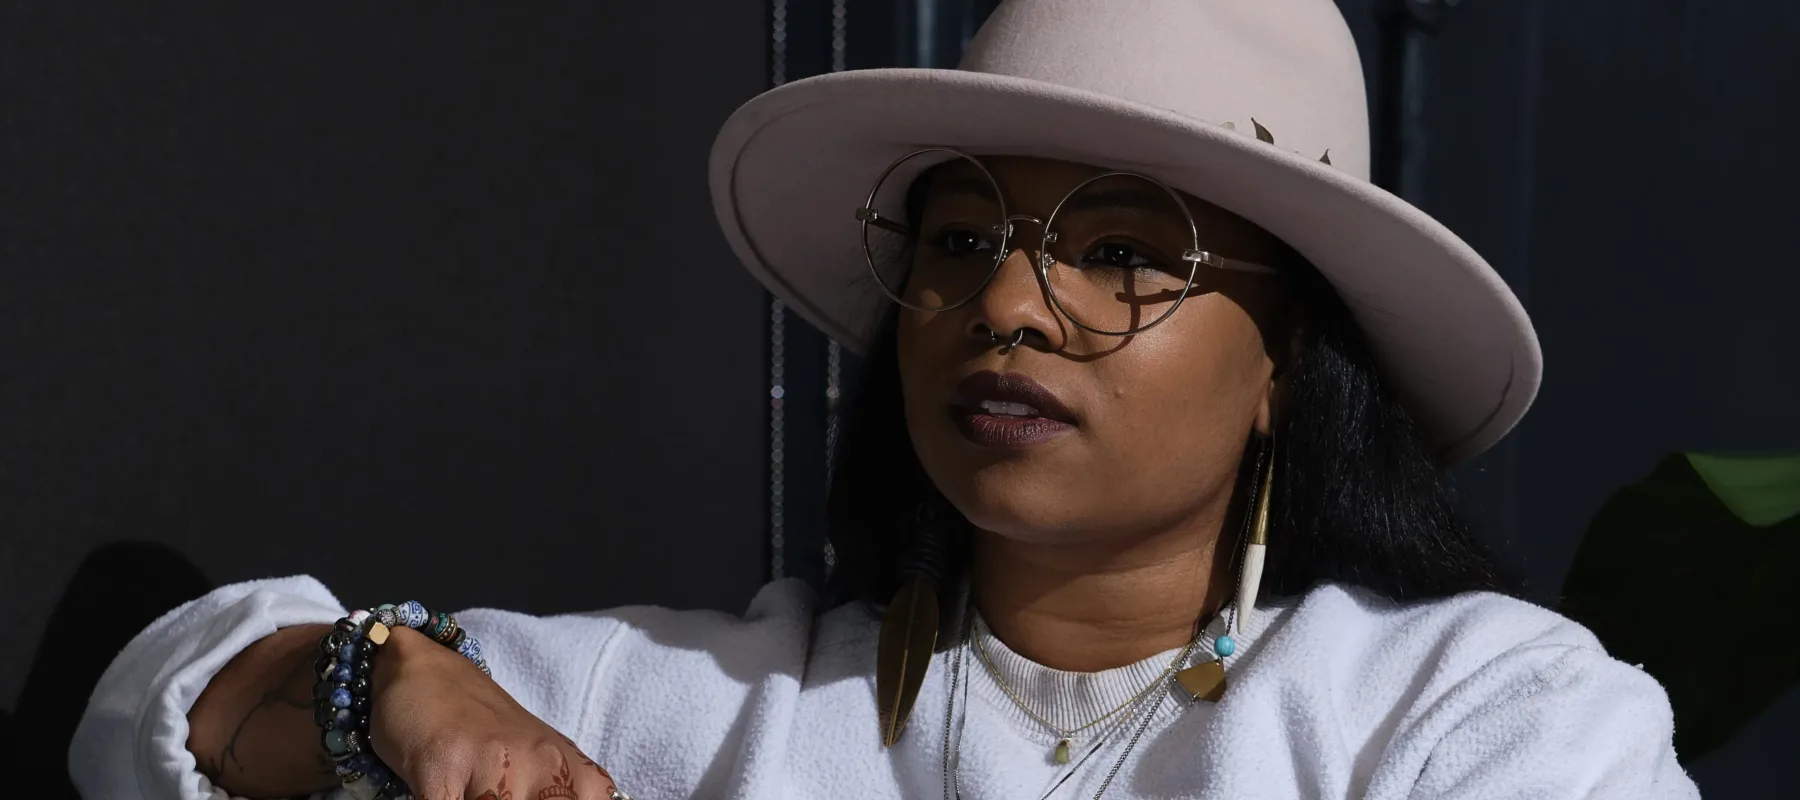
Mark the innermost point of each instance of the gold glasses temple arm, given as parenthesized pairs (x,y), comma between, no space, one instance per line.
(1220,262)
(869,216)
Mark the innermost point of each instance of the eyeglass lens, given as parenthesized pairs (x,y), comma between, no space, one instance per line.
(1110,252)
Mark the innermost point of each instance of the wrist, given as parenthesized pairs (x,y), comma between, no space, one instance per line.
(351,654)
(402,644)
(250,730)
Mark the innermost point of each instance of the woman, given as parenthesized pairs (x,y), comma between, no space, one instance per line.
(1141,496)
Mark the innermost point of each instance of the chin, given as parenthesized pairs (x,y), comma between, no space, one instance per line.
(1033,494)
(1017,502)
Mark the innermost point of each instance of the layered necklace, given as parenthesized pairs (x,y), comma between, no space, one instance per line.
(1067,735)
(1062,754)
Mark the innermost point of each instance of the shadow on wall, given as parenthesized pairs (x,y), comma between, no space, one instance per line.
(117,591)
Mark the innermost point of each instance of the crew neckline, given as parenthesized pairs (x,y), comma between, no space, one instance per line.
(1071,699)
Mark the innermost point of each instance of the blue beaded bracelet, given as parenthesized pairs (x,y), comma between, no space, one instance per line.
(341,697)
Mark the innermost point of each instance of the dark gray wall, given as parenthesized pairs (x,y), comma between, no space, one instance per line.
(1627,166)
(426,300)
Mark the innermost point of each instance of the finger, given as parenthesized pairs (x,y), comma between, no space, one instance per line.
(596,776)
(576,779)
(494,782)
(583,762)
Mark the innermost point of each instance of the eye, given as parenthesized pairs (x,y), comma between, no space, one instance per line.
(962,242)
(1117,255)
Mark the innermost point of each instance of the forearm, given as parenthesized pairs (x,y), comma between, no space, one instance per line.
(252,729)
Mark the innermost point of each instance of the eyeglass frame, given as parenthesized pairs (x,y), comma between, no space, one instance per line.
(1194,256)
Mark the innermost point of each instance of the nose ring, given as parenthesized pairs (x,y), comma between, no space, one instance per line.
(1018,336)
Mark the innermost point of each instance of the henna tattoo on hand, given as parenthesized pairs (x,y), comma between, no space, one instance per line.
(585,761)
(561,785)
(500,791)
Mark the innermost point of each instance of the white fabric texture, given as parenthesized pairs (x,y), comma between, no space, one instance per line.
(1336,694)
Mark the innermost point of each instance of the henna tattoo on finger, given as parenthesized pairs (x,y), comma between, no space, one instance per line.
(500,790)
(561,785)
(585,761)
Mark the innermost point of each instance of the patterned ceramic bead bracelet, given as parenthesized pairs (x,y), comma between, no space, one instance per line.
(341,696)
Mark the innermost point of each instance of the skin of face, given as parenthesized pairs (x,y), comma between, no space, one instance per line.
(1163,416)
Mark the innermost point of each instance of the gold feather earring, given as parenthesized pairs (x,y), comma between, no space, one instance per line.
(909,630)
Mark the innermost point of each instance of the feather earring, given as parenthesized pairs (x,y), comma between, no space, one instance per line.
(1206,681)
(909,630)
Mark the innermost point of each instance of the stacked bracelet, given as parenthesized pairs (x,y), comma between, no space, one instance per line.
(341,697)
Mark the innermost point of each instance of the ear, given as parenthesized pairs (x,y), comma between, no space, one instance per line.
(1264,423)
(1270,404)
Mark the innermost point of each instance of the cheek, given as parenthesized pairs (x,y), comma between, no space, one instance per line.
(925,348)
(1180,408)
(924,339)
(918,354)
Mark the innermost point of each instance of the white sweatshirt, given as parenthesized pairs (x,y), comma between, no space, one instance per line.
(1337,694)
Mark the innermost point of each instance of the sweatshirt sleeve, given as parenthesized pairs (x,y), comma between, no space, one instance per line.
(1554,722)
(131,743)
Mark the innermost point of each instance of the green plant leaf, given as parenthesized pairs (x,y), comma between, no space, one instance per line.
(1673,577)
(1760,490)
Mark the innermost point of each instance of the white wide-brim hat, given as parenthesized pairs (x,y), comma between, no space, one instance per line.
(1257,107)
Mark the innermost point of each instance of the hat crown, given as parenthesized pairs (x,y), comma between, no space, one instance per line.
(1290,66)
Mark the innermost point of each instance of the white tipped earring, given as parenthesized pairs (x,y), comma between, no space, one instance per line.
(1250,579)
(1206,680)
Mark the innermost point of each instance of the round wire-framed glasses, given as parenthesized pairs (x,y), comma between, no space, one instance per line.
(1116,256)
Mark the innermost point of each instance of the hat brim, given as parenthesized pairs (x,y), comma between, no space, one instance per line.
(791,166)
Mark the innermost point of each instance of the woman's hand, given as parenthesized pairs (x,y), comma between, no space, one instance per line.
(450,732)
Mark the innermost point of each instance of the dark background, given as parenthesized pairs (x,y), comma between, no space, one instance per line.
(388,294)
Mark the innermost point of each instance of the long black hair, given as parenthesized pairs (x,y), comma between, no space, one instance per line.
(1360,498)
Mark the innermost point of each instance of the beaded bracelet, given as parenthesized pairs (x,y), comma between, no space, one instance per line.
(341,696)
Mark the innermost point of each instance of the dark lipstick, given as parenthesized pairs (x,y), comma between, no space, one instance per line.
(1008,411)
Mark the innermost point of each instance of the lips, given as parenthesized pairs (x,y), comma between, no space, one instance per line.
(1008,411)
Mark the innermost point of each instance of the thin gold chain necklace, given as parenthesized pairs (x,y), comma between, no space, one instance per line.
(1061,753)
